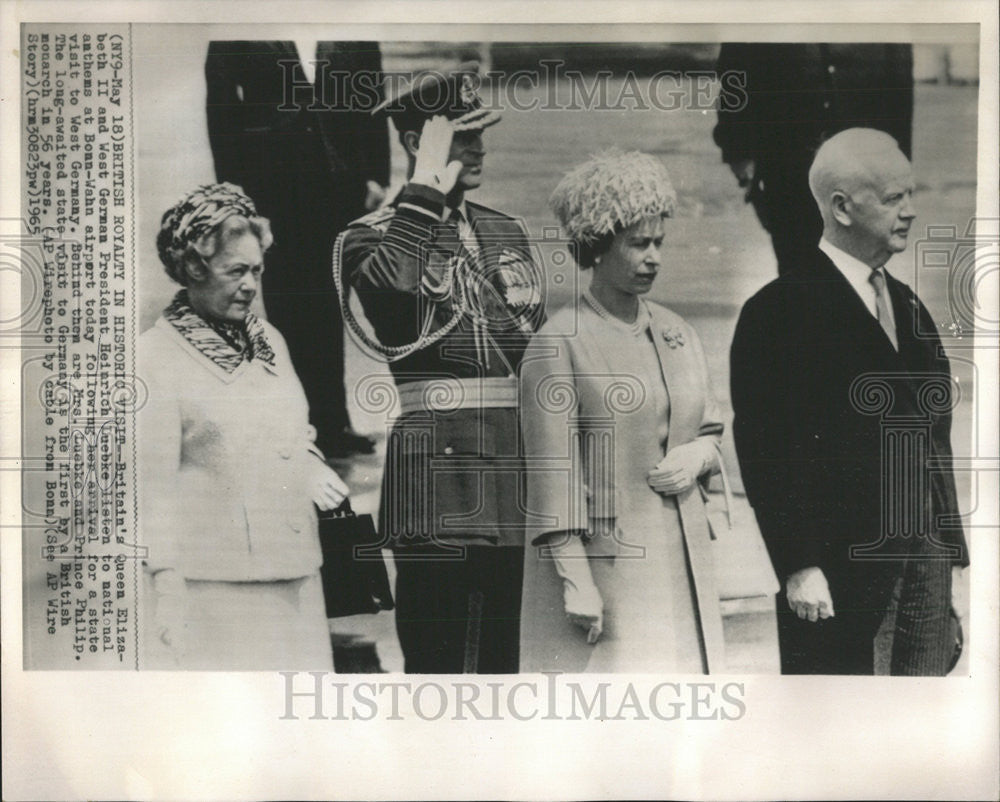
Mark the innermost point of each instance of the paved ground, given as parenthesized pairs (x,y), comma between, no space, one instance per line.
(715,256)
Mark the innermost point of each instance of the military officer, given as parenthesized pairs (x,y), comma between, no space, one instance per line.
(453,295)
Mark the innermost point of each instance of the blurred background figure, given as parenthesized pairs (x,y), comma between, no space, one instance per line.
(797,96)
(290,122)
(229,474)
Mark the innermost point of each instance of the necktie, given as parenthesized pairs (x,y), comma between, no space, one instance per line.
(882,307)
(465,235)
(484,303)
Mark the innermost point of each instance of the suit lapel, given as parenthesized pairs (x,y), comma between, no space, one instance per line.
(910,360)
(855,316)
(906,309)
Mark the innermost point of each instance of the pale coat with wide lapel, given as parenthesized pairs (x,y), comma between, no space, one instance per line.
(572,394)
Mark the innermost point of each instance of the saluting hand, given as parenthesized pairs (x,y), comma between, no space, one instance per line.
(432,167)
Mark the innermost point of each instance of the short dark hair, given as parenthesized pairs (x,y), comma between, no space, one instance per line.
(585,253)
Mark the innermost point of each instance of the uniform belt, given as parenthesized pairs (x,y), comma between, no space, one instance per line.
(445,395)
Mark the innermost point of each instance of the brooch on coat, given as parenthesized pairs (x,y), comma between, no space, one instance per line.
(673,337)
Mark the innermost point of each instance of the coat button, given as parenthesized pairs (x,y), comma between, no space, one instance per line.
(831,69)
(285,452)
(449,450)
(295,524)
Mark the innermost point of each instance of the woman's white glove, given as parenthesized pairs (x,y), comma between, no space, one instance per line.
(432,167)
(581,598)
(328,489)
(682,466)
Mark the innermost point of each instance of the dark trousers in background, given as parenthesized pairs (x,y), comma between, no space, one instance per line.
(310,321)
(786,208)
(459,613)
(300,296)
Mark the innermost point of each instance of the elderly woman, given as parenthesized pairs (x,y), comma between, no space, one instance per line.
(229,474)
(619,427)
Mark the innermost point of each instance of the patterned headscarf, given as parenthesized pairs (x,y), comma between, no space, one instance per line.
(195,215)
(611,191)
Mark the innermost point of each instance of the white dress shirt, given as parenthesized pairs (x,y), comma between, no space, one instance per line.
(858,275)
(465,231)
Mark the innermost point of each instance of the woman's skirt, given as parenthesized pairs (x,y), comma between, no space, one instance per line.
(244,626)
(652,620)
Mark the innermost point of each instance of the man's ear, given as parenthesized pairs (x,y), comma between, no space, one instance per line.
(411,142)
(840,203)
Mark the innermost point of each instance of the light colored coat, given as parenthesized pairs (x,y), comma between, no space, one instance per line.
(225,464)
(592,433)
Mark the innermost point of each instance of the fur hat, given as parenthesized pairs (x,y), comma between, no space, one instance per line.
(611,191)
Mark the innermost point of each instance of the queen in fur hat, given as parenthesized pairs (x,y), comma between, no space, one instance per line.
(610,192)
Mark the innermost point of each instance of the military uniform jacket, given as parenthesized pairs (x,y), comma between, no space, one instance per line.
(450,476)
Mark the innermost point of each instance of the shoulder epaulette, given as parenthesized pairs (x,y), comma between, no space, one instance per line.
(379,219)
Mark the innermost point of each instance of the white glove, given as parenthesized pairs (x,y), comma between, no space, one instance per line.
(432,167)
(581,598)
(328,489)
(171,609)
(682,466)
(809,594)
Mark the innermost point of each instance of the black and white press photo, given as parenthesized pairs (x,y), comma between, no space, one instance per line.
(390,382)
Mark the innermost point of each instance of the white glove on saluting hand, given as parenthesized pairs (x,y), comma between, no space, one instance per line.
(432,167)
(581,598)
(682,466)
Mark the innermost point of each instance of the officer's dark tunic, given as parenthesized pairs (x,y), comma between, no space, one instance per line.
(451,497)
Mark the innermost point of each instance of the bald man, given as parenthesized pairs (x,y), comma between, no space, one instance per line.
(841,392)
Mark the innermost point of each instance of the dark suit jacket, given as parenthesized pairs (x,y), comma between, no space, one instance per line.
(798,95)
(820,397)
(455,475)
(273,151)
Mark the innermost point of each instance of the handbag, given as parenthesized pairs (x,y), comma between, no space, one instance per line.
(354,575)
(743,567)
